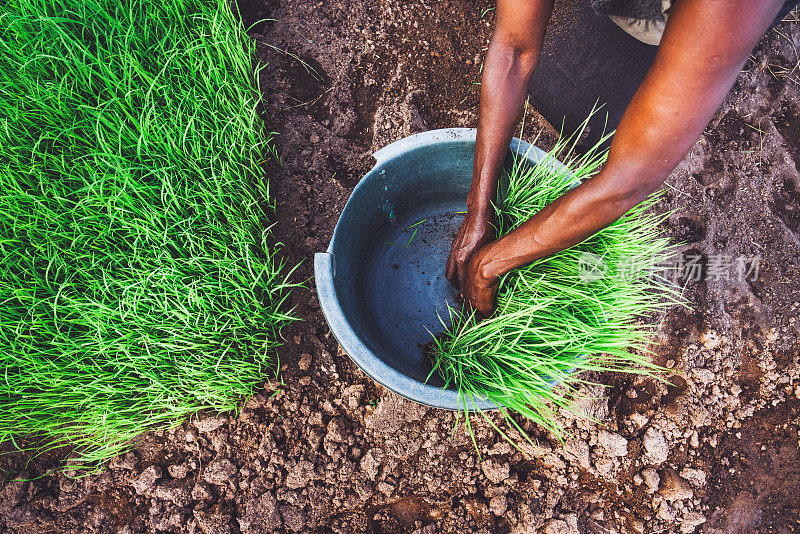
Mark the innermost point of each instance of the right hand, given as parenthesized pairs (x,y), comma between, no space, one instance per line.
(476,231)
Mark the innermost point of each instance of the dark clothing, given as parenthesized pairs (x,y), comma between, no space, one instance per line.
(636,9)
(588,60)
(651,9)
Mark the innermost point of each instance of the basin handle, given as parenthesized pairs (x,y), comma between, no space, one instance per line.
(324,270)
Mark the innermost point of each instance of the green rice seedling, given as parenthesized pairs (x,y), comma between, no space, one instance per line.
(138,283)
(583,309)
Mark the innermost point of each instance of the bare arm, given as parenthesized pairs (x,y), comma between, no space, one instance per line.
(704,47)
(510,61)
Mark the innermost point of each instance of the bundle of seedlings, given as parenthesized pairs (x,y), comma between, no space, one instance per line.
(587,308)
(138,283)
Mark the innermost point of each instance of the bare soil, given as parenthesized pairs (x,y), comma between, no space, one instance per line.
(323,449)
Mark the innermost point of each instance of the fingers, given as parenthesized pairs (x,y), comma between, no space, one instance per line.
(463,283)
(479,297)
(451,267)
(454,264)
(451,270)
(479,307)
(485,309)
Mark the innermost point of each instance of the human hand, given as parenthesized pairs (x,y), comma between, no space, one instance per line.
(476,231)
(478,288)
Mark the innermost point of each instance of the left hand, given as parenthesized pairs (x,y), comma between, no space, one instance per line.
(477,290)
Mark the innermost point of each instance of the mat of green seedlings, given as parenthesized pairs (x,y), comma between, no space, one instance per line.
(587,308)
(137,279)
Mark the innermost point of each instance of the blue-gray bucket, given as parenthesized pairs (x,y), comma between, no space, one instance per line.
(381,283)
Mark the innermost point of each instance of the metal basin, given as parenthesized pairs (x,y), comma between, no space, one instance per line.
(381,283)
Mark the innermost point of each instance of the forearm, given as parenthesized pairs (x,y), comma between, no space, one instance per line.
(510,60)
(503,89)
(694,69)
